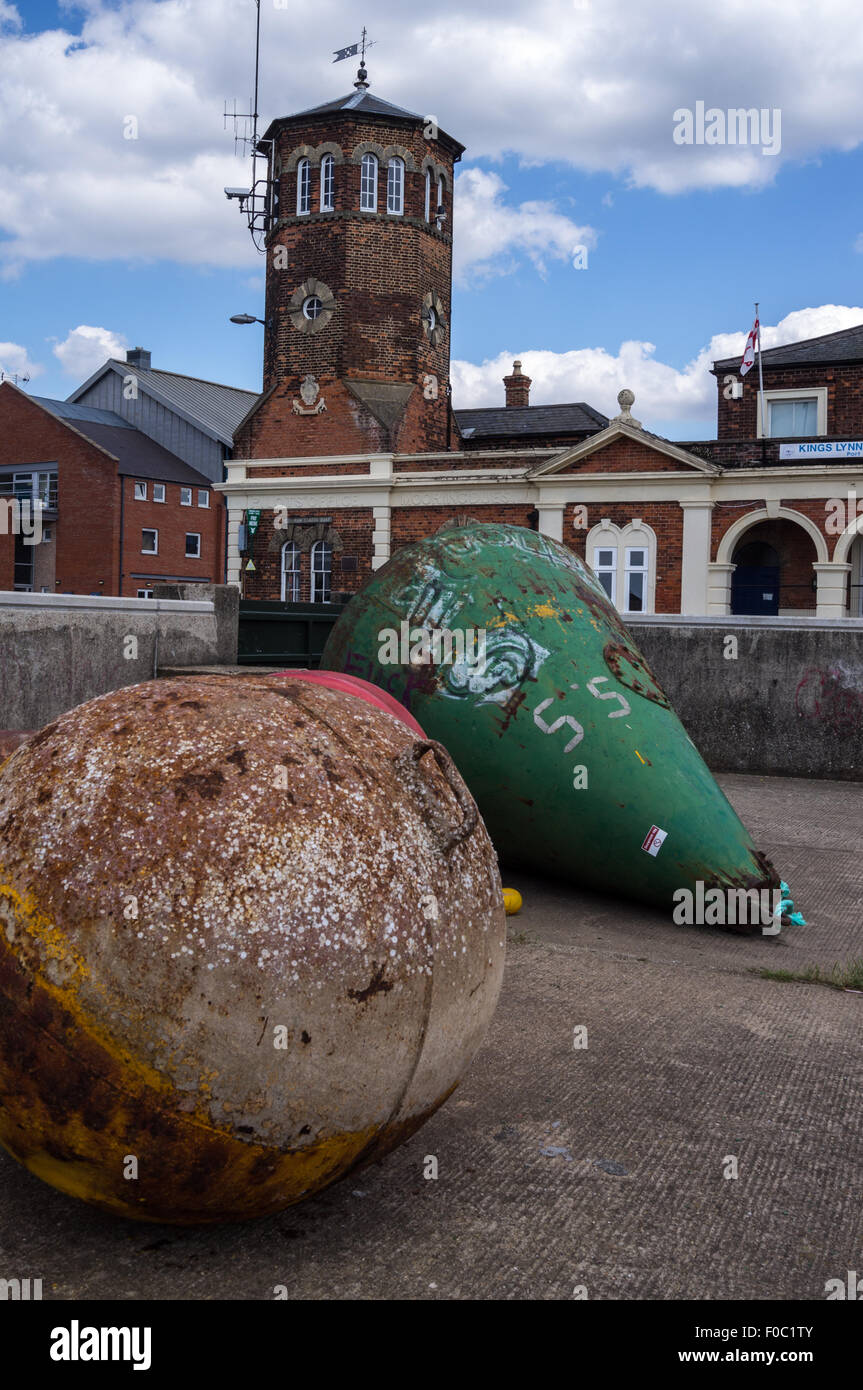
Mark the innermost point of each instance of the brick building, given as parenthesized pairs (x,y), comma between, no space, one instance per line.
(353,449)
(117,511)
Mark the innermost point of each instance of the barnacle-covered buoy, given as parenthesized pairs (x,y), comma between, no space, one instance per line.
(251,935)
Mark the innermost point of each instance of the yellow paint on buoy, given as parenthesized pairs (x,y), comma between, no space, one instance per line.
(511,901)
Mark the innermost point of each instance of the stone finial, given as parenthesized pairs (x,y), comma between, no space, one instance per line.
(626,400)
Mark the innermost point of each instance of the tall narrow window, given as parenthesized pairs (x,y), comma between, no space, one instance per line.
(428,194)
(328,166)
(440,202)
(304,187)
(290,573)
(369,184)
(322,571)
(605,569)
(635,580)
(396,186)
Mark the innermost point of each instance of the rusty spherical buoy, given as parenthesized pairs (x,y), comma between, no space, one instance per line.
(251,935)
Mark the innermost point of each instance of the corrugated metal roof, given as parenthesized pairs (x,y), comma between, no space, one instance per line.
(844,346)
(69,410)
(219,409)
(500,421)
(214,409)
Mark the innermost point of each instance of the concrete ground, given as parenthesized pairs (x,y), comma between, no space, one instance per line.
(559,1167)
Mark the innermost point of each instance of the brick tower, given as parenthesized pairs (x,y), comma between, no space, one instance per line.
(358,283)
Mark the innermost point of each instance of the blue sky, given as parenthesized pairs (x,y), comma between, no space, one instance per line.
(136,244)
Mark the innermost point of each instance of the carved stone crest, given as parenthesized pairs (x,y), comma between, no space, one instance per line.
(309,404)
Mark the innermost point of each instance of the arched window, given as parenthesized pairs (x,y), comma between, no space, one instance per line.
(396,186)
(322,571)
(290,573)
(304,187)
(428,194)
(369,184)
(328,166)
(441,206)
(624,562)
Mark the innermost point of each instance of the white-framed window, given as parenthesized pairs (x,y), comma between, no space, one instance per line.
(290,573)
(149,541)
(185,497)
(328,183)
(369,183)
(312,307)
(140,492)
(604,564)
(144,593)
(203,497)
(322,571)
(635,577)
(440,189)
(193,545)
(37,486)
(428,195)
(158,492)
(794,414)
(304,187)
(396,186)
(624,561)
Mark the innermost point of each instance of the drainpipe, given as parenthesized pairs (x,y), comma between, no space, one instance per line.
(122,516)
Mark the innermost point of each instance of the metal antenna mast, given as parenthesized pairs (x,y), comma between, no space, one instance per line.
(255,202)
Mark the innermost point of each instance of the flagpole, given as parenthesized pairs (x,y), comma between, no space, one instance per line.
(760,375)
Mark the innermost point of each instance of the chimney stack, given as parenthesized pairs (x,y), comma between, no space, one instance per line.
(517,387)
(138,357)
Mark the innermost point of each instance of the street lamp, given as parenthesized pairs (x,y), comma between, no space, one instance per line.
(247,318)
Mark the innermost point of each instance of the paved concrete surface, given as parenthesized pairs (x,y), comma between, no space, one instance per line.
(560,1167)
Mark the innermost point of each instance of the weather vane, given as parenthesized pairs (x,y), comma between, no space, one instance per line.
(351,51)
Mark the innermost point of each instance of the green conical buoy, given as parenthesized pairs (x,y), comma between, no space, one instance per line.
(505,648)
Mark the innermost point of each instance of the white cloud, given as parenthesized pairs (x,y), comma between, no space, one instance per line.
(663,393)
(86,348)
(9,16)
(589,85)
(491,235)
(15,361)
(858,245)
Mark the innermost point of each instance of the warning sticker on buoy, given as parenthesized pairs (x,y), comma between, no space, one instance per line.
(654,839)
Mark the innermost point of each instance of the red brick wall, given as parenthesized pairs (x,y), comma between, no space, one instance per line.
(172,521)
(411,524)
(86,534)
(348,530)
(624,455)
(665,518)
(738,419)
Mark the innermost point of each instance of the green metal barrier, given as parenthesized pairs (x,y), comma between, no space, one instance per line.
(284,634)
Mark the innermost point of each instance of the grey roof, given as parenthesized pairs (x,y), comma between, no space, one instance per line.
(529,420)
(358,100)
(844,346)
(364,104)
(137,455)
(68,410)
(216,410)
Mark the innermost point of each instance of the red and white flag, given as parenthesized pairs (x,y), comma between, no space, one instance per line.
(749,350)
